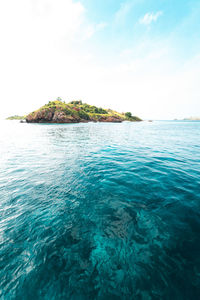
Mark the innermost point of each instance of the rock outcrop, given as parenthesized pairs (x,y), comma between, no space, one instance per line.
(114,119)
(51,116)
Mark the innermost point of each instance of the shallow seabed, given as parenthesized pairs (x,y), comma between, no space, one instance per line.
(100,211)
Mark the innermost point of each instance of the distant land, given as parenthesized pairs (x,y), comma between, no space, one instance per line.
(16,117)
(193,119)
(189,119)
(74,112)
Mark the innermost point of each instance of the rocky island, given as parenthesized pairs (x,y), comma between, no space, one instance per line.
(75,112)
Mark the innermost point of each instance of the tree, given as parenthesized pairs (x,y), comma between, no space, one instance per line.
(77,102)
(128,114)
(59,99)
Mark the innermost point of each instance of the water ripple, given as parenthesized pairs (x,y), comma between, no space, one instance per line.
(100,211)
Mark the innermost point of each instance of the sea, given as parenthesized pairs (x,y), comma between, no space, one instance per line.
(100,211)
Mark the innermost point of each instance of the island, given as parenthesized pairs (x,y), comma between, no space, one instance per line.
(76,112)
(16,117)
(192,119)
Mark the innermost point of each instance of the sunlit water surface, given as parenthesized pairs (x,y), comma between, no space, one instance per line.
(100,211)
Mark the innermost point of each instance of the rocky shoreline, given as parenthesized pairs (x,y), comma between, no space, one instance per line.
(49,116)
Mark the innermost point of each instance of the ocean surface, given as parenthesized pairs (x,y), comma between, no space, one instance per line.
(100,211)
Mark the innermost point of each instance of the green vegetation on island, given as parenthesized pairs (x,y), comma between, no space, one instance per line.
(74,112)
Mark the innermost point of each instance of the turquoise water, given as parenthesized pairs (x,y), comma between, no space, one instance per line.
(100,211)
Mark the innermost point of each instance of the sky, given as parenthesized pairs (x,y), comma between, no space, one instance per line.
(141,56)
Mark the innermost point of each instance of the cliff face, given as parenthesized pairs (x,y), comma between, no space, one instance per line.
(114,119)
(51,116)
(74,112)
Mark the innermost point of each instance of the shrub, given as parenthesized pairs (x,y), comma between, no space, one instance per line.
(128,114)
(77,102)
(102,111)
(83,115)
(67,111)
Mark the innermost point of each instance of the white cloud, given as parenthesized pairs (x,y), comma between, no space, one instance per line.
(123,11)
(46,53)
(148,18)
(91,29)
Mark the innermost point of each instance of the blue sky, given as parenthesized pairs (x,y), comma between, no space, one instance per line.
(139,56)
(177,22)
